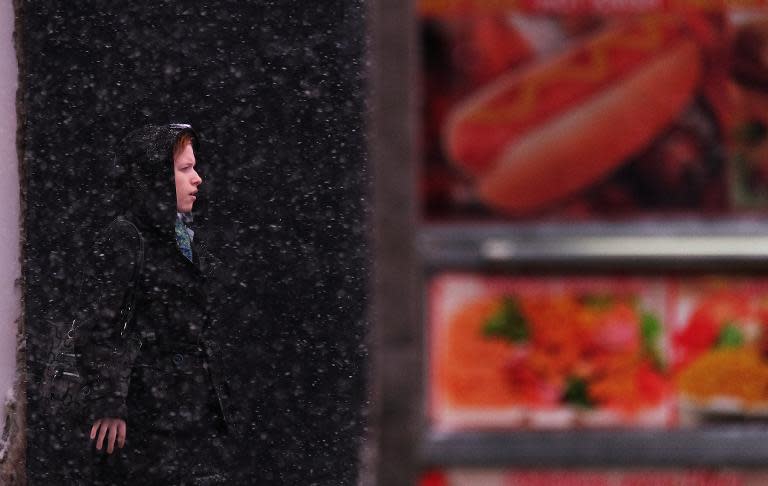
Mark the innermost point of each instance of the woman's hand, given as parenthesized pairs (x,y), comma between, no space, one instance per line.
(116,429)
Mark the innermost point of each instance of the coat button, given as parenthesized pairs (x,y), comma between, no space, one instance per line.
(177,358)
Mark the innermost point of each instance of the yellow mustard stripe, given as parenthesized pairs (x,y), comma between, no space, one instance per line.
(597,68)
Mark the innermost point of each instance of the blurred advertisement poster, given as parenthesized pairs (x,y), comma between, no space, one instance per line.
(696,477)
(567,109)
(568,352)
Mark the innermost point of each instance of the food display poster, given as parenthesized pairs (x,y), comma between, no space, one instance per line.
(679,477)
(617,111)
(599,351)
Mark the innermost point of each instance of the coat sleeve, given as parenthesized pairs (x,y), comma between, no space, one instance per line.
(102,358)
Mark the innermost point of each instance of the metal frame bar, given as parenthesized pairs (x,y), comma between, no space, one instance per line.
(728,245)
(724,446)
(395,418)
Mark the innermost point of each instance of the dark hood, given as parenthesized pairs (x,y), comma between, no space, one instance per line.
(145,190)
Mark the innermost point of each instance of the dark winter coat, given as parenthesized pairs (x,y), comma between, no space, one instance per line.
(169,371)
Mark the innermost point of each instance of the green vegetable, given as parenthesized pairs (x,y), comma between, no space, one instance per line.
(577,393)
(508,323)
(650,330)
(730,337)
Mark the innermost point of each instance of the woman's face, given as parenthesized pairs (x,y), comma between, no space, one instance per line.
(187,179)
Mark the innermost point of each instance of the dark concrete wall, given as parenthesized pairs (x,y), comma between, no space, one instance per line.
(276,91)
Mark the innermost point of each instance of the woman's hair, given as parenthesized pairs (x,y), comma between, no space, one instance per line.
(181,142)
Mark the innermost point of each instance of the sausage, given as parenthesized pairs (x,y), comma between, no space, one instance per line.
(536,136)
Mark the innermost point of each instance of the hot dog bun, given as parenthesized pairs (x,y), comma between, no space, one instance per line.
(537,136)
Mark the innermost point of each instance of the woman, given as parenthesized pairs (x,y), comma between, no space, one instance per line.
(160,410)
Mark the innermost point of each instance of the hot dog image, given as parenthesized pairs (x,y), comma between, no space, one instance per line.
(546,131)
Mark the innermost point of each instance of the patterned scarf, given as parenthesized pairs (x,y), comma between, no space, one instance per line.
(183,239)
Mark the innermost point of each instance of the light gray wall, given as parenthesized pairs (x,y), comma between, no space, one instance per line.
(10,248)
